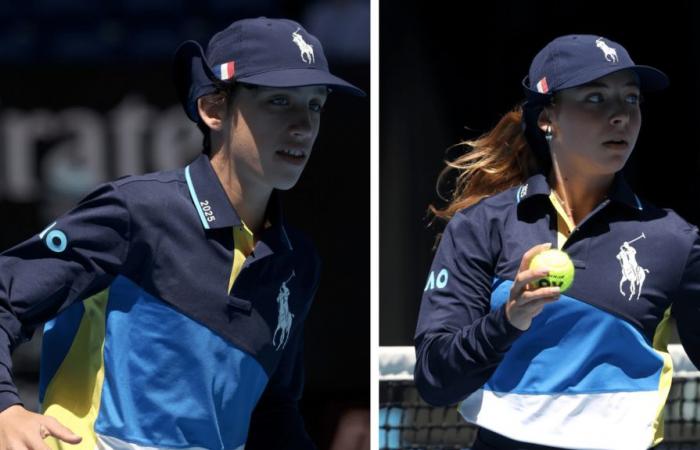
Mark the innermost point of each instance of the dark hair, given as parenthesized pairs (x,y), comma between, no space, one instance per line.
(206,138)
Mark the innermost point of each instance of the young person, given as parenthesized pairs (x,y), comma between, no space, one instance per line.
(535,368)
(176,300)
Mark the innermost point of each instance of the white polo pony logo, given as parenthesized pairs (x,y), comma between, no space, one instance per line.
(307,51)
(284,317)
(609,52)
(631,270)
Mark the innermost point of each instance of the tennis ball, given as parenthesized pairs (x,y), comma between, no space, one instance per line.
(561,269)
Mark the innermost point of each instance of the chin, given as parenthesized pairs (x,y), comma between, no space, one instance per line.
(285,184)
(612,165)
(283,177)
(618,166)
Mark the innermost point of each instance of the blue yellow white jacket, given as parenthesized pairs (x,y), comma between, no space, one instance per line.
(592,371)
(146,346)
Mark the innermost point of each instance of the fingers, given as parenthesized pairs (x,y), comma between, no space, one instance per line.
(29,441)
(524,278)
(55,429)
(535,307)
(542,295)
(37,444)
(521,310)
(24,430)
(527,257)
(531,306)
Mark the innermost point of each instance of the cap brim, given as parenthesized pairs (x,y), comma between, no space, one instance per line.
(650,79)
(301,77)
(193,77)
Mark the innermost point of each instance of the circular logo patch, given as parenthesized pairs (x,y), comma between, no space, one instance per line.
(56,241)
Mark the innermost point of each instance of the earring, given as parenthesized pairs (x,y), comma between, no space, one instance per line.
(548,134)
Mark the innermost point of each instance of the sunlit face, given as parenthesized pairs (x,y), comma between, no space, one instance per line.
(272,131)
(595,126)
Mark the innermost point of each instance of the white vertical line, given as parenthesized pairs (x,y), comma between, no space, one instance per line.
(374,225)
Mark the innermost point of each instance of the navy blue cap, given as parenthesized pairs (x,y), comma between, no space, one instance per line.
(262,51)
(573,60)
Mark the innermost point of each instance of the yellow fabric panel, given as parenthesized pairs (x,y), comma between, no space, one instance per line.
(73,395)
(243,246)
(660,344)
(564,223)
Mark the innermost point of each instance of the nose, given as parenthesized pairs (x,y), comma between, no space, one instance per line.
(620,120)
(302,125)
(621,114)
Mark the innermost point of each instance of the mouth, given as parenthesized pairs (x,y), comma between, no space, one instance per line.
(616,144)
(293,156)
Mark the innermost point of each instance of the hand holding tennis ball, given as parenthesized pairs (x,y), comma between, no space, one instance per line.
(561,269)
(530,292)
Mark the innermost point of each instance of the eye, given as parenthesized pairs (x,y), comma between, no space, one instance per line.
(316,107)
(279,100)
(633,99)
(594,98)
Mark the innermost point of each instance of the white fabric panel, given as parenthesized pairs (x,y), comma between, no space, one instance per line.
(605,421)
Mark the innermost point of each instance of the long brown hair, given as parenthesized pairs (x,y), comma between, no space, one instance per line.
(494,162)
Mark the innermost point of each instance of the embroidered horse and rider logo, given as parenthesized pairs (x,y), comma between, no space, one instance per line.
(631,270)
(609,52)
(307,50)
(284,317)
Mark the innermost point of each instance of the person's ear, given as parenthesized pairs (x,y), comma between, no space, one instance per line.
(212,110)
(544,120)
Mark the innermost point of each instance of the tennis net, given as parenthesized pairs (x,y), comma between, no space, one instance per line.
(407,422)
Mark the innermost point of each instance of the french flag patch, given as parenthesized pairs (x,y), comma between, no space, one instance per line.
(541,86)
(227,70)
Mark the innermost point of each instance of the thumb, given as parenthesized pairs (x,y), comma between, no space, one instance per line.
(531,253)
(58,431)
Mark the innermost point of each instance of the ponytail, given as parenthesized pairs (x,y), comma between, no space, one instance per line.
(496,161)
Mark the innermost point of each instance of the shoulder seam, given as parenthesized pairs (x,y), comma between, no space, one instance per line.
(125,182)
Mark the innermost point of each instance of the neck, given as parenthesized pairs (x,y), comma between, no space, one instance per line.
(249,200)
(580,193)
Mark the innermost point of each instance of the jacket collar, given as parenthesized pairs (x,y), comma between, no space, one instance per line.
(214,208)
(620,191)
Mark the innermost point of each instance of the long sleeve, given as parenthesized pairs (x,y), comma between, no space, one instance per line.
(459,339)
(686,303)
(73,258)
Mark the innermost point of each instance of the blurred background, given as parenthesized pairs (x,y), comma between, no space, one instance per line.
(449,73)
(87,96)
